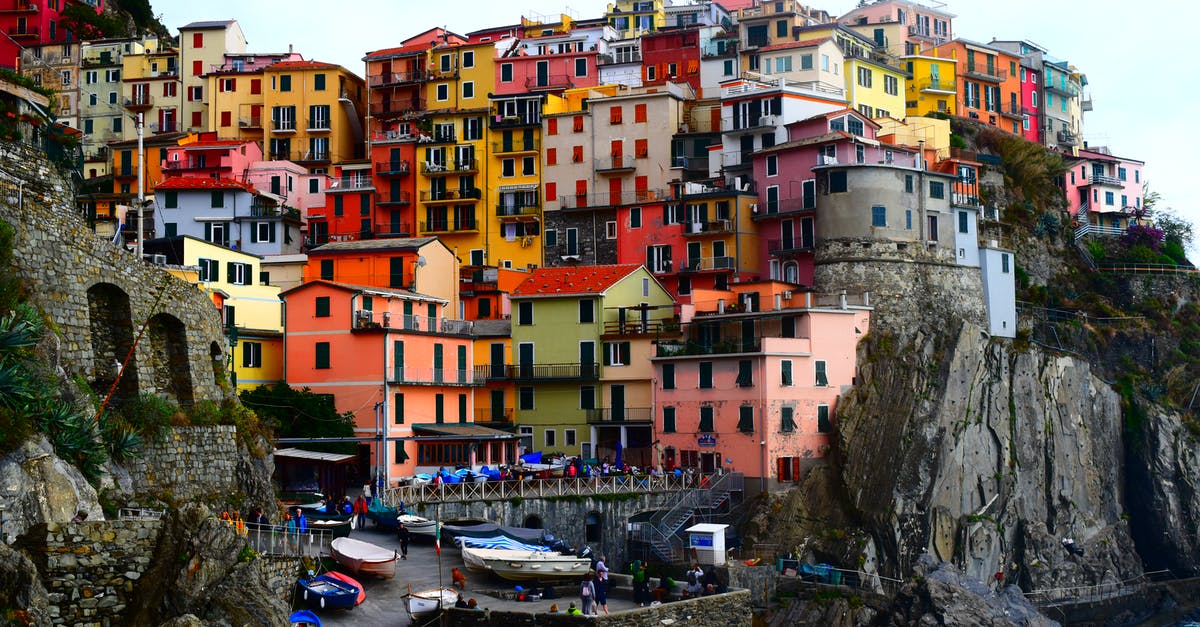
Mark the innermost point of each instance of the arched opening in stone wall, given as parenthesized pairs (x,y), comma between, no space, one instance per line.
(591,527)
(532,521)
(218,364)
(169,367)
(111,323)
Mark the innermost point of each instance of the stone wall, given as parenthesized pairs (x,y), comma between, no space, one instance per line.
(760,580)
(91,568)
(189,462)
(722,610)
(98,296)
(595,248)
(281,573)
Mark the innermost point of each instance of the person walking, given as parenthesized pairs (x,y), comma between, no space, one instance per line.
(694,575)
(361,505)
(641,583)
(404,535)
(587,593)
(602,584)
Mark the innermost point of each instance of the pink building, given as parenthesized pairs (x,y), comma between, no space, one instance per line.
(211,158)
(1103,190)
(787,186)
(392,358)
(530,67)
(1031,105)
(923,26)
(752,386)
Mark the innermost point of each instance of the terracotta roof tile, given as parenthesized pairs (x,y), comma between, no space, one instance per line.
(301,65)
(572,280)
(788,45)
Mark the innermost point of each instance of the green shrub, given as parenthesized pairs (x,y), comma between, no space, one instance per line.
(15,428)
(150,415)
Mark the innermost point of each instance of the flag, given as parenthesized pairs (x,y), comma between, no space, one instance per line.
(437,538)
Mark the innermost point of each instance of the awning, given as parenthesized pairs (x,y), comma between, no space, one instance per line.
(295,453)
(518,188)
(462,431)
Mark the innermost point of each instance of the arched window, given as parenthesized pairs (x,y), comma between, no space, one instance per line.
(532,521)
(791,272)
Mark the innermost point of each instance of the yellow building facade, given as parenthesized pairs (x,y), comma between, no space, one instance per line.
(312,113)
(933,85)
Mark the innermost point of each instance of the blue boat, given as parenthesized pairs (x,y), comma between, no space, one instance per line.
(325,591)
(304,618)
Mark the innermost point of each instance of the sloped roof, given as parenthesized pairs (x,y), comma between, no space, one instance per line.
(787,45)
(208,24)
(564,281)
(197,182)
(492,328)
(390,243)
(301,65)
(351,287)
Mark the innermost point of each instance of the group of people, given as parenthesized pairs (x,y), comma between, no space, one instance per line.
(593,590)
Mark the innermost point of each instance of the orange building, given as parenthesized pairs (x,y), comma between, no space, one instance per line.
(989,83)
(420,264)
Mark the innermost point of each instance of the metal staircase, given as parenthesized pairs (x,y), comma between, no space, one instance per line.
(662,531)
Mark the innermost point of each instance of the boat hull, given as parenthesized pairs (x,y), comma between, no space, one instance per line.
(364,558)
(327,592)
(418,526)
(528,566)
(428,602)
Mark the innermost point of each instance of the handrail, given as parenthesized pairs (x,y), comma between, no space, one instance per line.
(539,488)
(1092,593)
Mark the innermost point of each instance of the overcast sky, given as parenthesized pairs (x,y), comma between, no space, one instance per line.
(1134,54)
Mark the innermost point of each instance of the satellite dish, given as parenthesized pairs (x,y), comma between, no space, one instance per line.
(420,261)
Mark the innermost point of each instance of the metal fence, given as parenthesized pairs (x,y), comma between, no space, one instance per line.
(272,540)
(1097,592)
(543,488)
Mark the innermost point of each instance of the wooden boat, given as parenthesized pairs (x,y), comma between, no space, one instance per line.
(428,602)
(304,618)
(338,528)
(418,525)
(324,591)
(364,558)
(527,565)
(383,516)
(362,593)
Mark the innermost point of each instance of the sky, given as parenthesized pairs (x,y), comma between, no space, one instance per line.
(1133,54)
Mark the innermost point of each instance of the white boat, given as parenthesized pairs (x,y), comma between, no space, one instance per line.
(418,525)
(526,565)
(364,557)
(427,602)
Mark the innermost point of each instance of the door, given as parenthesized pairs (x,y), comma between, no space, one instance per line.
(398,359)
(807,233)
(525,360)
(587,360)
(669,458)
(786,231)
(527,140)
(394,227)
(437,363)
(693,255)
(709,462)
(616,150)
(497,361)
(543,73)
(497,411)
(616,401)
(394,160)
(507,142)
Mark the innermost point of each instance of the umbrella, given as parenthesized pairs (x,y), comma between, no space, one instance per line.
(618,462)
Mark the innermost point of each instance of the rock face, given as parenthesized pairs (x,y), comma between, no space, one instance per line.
(943,596)
(1164,492)
(993,456)
(37,487)
(21,588)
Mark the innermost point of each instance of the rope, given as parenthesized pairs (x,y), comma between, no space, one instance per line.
(121,372)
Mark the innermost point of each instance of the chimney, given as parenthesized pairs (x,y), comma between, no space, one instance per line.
(290,48)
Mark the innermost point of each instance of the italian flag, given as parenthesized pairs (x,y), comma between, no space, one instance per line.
(437,538)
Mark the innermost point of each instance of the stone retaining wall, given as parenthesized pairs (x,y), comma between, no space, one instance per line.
(722,610)
(189,462)
(281,574)
(92,568)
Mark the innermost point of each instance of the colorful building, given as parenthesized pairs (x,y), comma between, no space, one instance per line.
(1032,61)
(989,83)
(933,87)
(315,113)
(632,18)
(102,115)
(567,322)
(29,24)
(908,27)
(150,87)
(1063,104)
(57,66)
(417,264)
(1103,191)
(395,360)
(228,213)
(203,46)
(752,384)
(233,90)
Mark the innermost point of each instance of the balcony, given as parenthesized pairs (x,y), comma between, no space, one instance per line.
(465,166)
(21,6)
(691,164)
(405,375)
(319,125)
(516,146)
(755,125)
(990,75)
(615,164)
(443,73)
(635,327)
(350,184)
(538,372)
(260,208)
(1062,88)
(726,347)
(782,207)
(392,229)
(944,87)
(707,264)
(393,200)
(513,211)
(1068,138)
(252,122)
(499,122)
(712,227)
(417,324)
(610,199)
(1101,179)
(450,226)
(168,126)
(391,168)
(494,415)
(139,102)
(713,50)
(29,32)
(283,126)
(450,195)
(553,81)
(1012,112)
(1086,104)
(619,414)
(397,78)
(788,246)
(196,164)
(396,108)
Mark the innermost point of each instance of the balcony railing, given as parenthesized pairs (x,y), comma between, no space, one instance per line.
(432,376)
(784,246)
(1069,90)
(401,198)
(615,163)
(712,226)
(938,86)
(514,210)
(392,229)
(397,78)
(351,184)
(1011,111)
(464,166)
(1100,179)
(704,264)
(450,195)
(516,145)
(405,106)
(28,31)
(675,349)
(318,124)
(494,414)
(992,75)
(514,121)
(391,168)
(425,324)
(612,199)
(449,226)
(699,164)
(250,122)
(139,101)
(533,372)
(637,327)
(783,206)
(553,81)
(620,414)
(712,50)
(283,126)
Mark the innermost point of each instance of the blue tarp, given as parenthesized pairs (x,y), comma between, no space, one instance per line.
(532,458)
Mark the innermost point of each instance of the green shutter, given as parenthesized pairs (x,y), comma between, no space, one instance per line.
(706,374)
(823,425)
(746,419)
(822,378)
(230,271)
(785,372)
(668,377)
(668,420)
(437,363)
(623,348)
(322,355)
(271,236)
(462,407)
(439,408)
(398,402)
(462,364)
(321,306)
(401,454)
(398,359)
(216,270)
(787,421)
(208,231)
(706,419)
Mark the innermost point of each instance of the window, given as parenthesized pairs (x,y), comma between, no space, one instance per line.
(572,242)
(860,153)
(878,216)
(587,311)
(525,312)
(706,419)
(398,408)
(321,306)
(864,76)
(639,113)
(823,425)
(506,72)
(569,438)
(635,217)
(787,420)
(772,165)
(668,420)
(217,199)
(238,273)
(581,67)
(552,238)
(326,269)
(890,85)
(468,58)
(837,182)
(1109,197)
(321,353)
(745,377)
(821,379)
(614,115)
(668,376)
(785,372)
(549,435)
(706,380)
(962,222)
(508,168)
(443,92)
(285,82)
(641,148)
(529,166)
(252,354)
(468,89)
(610,229)
(1004,263)
(210,270)
(746,419)
(937,189)
(525,398)
(587,397)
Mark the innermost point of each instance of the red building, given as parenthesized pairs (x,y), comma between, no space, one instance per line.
(671,56)
(29,23)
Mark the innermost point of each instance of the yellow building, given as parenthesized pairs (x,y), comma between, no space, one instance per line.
(632,18)
(932,87)
(150,86)
(234,92)
(202,47)
(917,132)
(312,113)
(251,311)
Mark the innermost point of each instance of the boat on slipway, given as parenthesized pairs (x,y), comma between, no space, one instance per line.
(426,603)
(364,558)
(523,565)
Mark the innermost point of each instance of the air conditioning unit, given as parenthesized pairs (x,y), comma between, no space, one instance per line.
(768,120)
(387,319)
(365,317)
(158,260)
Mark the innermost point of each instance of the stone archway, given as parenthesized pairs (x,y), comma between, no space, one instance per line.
(169,366)
(532,521)
(112,334)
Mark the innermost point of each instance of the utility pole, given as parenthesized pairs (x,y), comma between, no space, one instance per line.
(141,201)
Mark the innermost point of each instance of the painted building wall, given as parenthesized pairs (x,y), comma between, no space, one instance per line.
(999,291)
(851,214)
(933,86)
